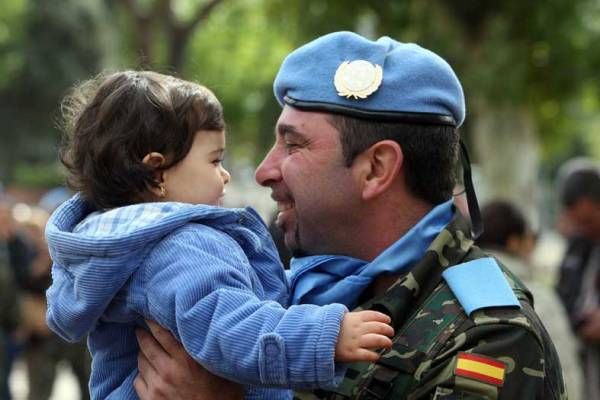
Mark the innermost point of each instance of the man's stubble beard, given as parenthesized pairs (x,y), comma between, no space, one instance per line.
(296,249)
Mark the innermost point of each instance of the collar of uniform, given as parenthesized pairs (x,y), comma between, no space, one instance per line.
(448,248)
(326,279)
(476,283)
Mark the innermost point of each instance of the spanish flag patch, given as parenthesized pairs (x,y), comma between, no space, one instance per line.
(481,368)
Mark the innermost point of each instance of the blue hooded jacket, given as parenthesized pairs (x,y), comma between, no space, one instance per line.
(210,275)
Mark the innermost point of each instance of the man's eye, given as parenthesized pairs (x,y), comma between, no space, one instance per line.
(290,147)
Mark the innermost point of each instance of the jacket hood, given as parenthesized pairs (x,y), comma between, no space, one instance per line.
(95,253)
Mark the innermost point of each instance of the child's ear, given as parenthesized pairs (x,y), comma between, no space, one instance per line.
(155,161)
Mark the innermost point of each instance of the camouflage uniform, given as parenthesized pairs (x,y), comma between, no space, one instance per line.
(432,328)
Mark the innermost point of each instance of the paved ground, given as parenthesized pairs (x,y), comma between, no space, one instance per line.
(65,386)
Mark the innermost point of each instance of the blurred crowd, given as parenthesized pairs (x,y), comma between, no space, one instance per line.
(570,308)
(24,277)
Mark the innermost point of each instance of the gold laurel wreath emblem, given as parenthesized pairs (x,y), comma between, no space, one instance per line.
(357,79)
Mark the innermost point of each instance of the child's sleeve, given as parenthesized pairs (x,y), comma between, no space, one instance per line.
(114,362)
(200,286)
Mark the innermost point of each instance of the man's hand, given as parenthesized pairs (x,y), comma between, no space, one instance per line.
(166,371)
(590,328)
(361,332)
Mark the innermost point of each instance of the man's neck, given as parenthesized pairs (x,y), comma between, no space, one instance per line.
(385,228)
(388,230)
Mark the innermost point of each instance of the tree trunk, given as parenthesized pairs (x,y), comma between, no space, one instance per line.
(178,41)
(507,155)
(143,28)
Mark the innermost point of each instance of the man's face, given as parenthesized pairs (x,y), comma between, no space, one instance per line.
(584,216)
(314,190)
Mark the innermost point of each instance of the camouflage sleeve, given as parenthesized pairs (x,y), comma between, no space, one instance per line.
(516,347)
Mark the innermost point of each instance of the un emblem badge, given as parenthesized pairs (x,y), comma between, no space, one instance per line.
(357,79)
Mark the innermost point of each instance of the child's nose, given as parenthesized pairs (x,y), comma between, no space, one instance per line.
(226,176)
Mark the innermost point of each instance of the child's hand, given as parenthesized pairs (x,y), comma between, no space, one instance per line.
(361,332)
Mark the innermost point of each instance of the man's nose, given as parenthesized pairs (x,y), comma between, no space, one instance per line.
(269,170)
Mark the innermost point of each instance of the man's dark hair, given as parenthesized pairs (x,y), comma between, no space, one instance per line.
(501,220)
(111,122)
(579,184)
(430,151)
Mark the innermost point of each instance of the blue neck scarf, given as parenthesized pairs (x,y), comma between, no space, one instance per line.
(326,279)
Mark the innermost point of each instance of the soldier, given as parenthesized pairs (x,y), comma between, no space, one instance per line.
(508,237)
(363,166)
(579,283)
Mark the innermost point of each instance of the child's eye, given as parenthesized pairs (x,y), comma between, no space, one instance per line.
(217,161)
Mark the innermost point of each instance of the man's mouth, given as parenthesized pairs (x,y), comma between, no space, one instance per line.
(284,205)
(286,211)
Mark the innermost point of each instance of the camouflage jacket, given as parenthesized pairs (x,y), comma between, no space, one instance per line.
(433,331)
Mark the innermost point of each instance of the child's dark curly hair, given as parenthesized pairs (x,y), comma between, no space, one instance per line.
(112,121)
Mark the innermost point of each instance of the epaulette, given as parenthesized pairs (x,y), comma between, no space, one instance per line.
(480,284)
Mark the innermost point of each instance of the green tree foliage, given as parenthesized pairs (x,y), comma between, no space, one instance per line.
(48,45)
(160,30)
(534,57)
(537,55)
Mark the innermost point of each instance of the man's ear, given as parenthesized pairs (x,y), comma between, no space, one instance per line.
(378,167)
(155,161)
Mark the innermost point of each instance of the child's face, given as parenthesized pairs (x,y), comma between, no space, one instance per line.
(199,178)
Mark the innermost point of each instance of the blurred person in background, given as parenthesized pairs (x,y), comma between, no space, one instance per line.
(579,283)
(508,237)
(15,256)
(43,350)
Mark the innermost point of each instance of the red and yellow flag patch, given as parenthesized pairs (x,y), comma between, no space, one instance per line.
(481,368)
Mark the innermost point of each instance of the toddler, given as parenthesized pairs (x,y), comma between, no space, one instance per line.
(146,238)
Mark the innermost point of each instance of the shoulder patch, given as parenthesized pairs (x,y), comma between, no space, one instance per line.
(481,368)
(480,284)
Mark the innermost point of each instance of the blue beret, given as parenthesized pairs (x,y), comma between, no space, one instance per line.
(346,73)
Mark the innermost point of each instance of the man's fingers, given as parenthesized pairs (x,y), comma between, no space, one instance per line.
(370,315)
(145,368)
(140,386)
(151,349)
(374,341)
(165,338)
(149,383)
